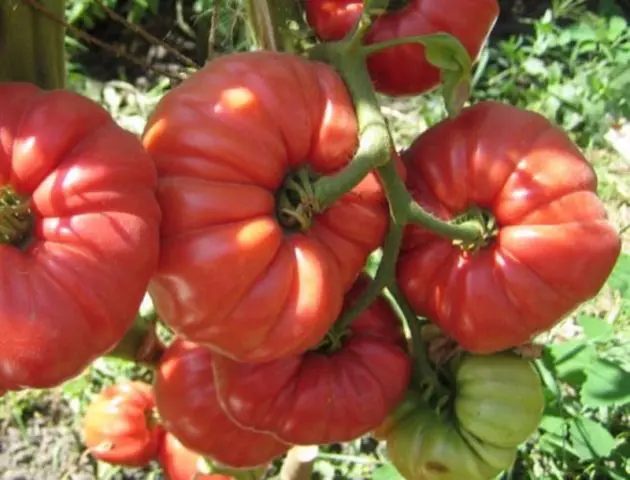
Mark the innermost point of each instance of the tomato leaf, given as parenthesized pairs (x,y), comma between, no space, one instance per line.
(594,327)
(620,277)
(590,440)
(607,383)
(571,359)
(387,472)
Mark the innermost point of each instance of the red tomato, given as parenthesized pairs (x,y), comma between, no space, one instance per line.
(71,286)
(181,463)
(323,397)
(230,276)
(553,249)
(404,70)
(188,406)
(119,427)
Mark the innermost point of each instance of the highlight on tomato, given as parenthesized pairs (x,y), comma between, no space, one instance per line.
(79,233)
(187,403)
(497,403)
(334,393)
(403,69)
(120,427)
(547,245)
(247,268)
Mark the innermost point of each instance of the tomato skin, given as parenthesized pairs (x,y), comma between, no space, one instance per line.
(229,277)
(424,446)
(554,248)
(404,70)
(118,428)
(320,397)
(500,398)
(181,463)
(188,406)
(70,294)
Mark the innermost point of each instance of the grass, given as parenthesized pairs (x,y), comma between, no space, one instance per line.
(572,75)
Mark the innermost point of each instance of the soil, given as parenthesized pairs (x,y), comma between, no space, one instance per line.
(45,444)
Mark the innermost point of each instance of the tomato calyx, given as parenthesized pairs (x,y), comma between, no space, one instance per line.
(296,202)
(16,218)
(333,341)
(487,225)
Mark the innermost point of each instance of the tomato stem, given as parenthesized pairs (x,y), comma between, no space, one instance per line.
(31,44)
(140,344)
(446,52)
(433,388)
(385,276)
(16,219)
(375,144)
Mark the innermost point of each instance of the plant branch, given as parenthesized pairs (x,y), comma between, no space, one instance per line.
(271,22)
(138,30)
(425,373)
(118,52)
(140,344)
(31,45)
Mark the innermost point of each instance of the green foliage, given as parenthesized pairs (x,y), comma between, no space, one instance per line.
(586,429)
(576,75)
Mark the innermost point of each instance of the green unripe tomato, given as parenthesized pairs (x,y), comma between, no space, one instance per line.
(499,398)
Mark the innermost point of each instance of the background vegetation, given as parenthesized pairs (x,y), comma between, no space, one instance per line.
(567,59)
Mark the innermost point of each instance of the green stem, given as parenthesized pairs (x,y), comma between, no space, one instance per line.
(447,53)
(468,232)
(423,369)
(272,22)
(375,146)
(32,44)
(385,276)
(140,344)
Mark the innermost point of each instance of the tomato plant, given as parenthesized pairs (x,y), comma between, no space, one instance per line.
(403,69)
(536,194)
(496,403)
(78,228)
(243,270)
(187,403)
(119,426)
(334,393)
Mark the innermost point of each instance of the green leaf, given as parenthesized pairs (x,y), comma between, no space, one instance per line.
(607,383)
(387,472)
(595,327)
(570,360)
(620,277)
(590,440)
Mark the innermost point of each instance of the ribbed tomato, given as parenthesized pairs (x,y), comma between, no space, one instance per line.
(424,446)
(79,233)
(119,425)
(188,406)
(403,69)
(549,245)
(496,404)
(232,276)
(500,398)
(181,463)
(334,394)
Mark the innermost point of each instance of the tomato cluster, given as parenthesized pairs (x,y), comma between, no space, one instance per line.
(227,213)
